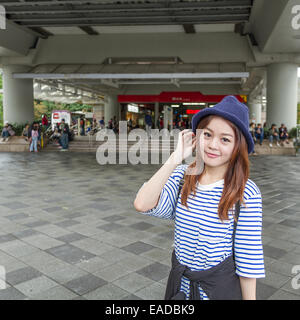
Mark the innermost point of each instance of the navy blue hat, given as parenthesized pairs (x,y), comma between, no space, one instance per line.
(233,110)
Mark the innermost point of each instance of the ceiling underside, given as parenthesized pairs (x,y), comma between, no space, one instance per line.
(89,15)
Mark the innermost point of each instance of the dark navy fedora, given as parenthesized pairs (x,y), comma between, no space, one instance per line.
(230,109)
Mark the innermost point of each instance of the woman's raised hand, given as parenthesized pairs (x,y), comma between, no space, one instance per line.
(185,145)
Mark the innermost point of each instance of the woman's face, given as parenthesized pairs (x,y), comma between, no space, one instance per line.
(217,142)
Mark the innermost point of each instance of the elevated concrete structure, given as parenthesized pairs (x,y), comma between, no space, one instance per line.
(215,47)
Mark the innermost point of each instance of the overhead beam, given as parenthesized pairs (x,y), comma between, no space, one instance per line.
(189,28)
(89,30)
(218,75)
(41,32)
(117,5)
(129,15)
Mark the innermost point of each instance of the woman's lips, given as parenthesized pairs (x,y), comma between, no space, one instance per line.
(211,155)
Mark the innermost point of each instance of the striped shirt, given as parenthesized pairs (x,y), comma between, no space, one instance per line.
(202,240)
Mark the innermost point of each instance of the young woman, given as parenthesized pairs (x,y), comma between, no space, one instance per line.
(210,260)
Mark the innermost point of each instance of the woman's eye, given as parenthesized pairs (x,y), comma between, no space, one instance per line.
(225,140)
(207,134)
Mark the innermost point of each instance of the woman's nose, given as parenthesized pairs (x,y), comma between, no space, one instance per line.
(213,143)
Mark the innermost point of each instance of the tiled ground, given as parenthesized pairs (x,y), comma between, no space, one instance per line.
(68,229)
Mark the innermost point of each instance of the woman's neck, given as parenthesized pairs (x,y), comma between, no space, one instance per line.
(213,174)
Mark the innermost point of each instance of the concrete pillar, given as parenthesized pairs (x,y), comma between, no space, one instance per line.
(17,96)
(254,112)
(166,117)
(282,86)
(156,114)
(111,108)
(98,110)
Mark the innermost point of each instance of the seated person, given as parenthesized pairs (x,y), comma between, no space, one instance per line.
(25,132)
(273,134)
(252,131)
(283,134)
(259,133)
(7,131)
(55,135)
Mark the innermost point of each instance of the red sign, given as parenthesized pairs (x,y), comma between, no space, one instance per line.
(55,116)
(192,111)
(173,97)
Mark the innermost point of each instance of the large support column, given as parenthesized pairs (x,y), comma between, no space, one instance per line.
(111,108)
(98,111)
(166,117)
(17,96)
(156,114)
(254,112)
(282,86)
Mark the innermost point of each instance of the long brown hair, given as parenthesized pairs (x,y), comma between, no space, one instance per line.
(235,177)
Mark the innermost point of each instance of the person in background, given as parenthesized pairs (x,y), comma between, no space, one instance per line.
(25,132)
(187,124)
(34,138)
(64,139)
(129,125)
(259,133)
(273,134)
(148,122)
(45,121)
(7,131)
(55,135)
(110,124)
(82,126)
(161,122)
(283,134)
(252,131)
(102,123)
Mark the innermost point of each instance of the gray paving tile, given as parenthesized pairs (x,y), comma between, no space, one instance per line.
(114,218)
(67,274)
(21,275)
(138,247)
(55,293)
(141,226)
(25,233)
(85,284)
(7,237)
(71,237)
(52,209)
(67,223)
(283,295)
(155,271)
(17,216)
(15,205)
(36,224)
(290,223)
(264,291)
(110,226)
(107,292)
(35,286)
(133,282)
(273,252)
(11,293)
(132,297)
(70,253)
(168,235)
(155,291)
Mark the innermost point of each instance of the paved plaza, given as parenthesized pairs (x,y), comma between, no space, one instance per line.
(68,228)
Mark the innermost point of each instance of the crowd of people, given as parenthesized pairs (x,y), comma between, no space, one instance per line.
(259,133)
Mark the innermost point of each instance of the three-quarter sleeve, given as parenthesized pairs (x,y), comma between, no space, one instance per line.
(167,202)
(248,246)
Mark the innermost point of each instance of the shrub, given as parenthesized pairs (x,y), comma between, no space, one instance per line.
(293,132)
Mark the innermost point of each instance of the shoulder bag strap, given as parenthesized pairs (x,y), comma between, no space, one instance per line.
(236,214)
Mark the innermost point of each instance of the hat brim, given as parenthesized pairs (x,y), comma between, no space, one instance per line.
(228,116)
